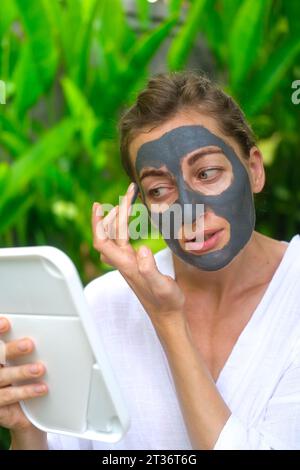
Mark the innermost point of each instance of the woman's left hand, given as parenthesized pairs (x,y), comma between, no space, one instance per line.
(160,295)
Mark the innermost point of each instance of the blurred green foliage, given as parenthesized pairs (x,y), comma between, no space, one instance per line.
(71,66)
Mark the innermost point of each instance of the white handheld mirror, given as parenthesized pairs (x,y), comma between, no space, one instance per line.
(42,296)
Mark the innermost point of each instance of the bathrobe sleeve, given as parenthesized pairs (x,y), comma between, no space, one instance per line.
(280,425)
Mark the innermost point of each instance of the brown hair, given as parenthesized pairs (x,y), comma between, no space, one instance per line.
(166,94)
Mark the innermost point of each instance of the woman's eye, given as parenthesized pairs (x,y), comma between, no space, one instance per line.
(158,192)
(209,174)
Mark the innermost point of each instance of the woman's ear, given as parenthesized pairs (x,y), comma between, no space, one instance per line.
(256,169)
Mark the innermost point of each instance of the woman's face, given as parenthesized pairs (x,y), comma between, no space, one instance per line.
(188,163)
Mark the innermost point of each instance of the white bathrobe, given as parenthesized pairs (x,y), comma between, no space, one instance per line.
(260,381)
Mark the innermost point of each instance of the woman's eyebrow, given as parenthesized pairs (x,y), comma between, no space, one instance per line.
(154,172)
(201,153)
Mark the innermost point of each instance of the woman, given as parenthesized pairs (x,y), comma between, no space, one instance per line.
(204,337)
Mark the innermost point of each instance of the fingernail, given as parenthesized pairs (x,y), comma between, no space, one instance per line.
(40,388)
(131,187)
(94,206)
(143,252)
(34,369)
(23,345)
(99,211)
(3,324)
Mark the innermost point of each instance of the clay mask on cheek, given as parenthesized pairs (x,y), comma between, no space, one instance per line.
(235,203)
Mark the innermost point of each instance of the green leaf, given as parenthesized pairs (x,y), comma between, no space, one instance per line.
(39,34)
(27,82)
(137,60)
(181,45)
(112,26)
(14,209)
(291,8)
(4,439)
(174,6)
(227,11)
(89,10)
(7,123)
(268,79)
(66,20)
(8,14)
(245,38)
(81,111)
(113,35)
(143,13)
(268,147)
(77,102)
(10,124)
(51,146)
(12,143)
(4,170)
(212,26)
(145,49)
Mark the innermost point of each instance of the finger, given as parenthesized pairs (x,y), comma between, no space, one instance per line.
(100,238)
(11,395)
(97,215)
(9,375)
(110,223)
(106,260)
(108,249)
(148,269)
(4,325)
(2,353)
(122,220)
(135,195)
(19,348)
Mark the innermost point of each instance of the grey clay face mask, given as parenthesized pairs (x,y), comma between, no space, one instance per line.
(235,204)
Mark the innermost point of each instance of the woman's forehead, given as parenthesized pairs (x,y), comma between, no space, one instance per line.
(194,118)
(172,147)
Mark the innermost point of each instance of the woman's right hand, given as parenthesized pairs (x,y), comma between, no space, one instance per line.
(11,414)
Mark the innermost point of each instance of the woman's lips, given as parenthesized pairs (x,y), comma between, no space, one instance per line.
(200,247)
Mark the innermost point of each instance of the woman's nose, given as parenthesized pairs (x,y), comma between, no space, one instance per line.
(191,208)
